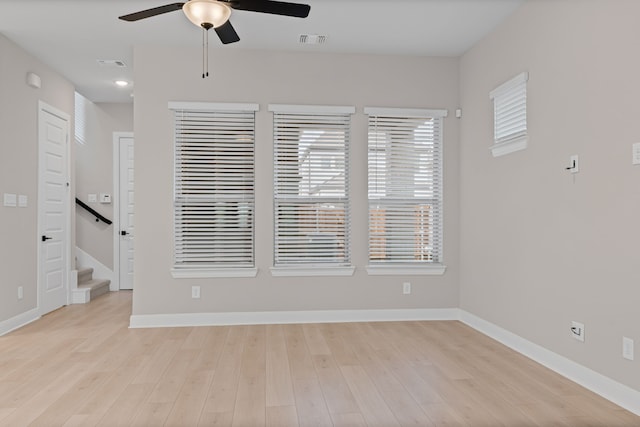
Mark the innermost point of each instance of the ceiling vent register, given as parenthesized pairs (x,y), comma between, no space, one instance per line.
(312,39)
(112,63)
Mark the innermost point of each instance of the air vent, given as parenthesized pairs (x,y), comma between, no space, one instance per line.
(312,39)
(111,63)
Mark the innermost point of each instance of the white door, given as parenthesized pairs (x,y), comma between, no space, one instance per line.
(126,212)
(53,208)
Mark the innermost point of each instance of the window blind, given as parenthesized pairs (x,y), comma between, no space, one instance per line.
(311,185)
(81,112)
(214,185)
(510,110)
(405,186)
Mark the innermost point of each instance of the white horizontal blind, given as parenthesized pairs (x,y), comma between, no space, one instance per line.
(510,110)
(311,182)
(405,188)
(81,112)
(214,188)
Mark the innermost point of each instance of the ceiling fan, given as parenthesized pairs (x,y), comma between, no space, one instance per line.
(215,14)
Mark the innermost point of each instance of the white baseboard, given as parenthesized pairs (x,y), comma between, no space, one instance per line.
(100,271)
(286,317)
(618,393)
(19,321)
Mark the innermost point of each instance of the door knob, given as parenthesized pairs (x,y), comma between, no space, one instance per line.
(124,233)
(45,238)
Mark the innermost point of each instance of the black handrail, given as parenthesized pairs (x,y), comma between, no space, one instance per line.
(93,212)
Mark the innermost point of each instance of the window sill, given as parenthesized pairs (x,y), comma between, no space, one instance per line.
(200,273)
(406,270)
(508,147)
(311,271)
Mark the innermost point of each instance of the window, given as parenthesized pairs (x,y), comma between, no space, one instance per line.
(510,116)
(405,190)
(81,113)
(311,187)
(214,189)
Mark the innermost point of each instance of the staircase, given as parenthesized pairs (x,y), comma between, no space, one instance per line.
(96,287)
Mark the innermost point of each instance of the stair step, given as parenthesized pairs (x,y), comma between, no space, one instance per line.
(97,287)
(85,275)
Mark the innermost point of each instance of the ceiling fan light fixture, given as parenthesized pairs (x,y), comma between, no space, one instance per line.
(207,13)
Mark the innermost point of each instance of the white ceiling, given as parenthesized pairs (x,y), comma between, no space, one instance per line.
(71,35)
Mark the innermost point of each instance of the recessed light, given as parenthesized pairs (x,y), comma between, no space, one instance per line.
(121,83)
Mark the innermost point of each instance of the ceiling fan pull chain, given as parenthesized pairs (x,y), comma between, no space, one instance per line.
(203,50)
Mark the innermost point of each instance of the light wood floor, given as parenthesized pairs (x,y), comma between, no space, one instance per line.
(82,366)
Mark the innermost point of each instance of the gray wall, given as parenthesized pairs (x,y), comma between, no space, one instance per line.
(268,77)
(541,247)
(19,170)
(94,174)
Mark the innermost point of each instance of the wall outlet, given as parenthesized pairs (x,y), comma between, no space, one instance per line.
(195,292)
(577,331)
(627,348)
(406,288)
(20,292)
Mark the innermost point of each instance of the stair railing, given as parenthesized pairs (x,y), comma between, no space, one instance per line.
(93,212)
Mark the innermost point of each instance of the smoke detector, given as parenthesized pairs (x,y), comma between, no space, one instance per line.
(312,39)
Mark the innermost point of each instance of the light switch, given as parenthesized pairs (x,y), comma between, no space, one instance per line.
(93,198)
(105,198)
(23,201)
(10,200)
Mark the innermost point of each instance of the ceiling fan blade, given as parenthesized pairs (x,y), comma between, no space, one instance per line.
(227,33)
(151,12)
(274,7)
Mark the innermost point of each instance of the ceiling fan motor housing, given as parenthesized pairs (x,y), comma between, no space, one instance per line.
(207,13)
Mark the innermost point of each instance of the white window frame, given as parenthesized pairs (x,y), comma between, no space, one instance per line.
(510,116)
(403,115)
(185,269)
(341,267)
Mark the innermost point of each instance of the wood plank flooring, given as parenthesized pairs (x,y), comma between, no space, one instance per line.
(82,366)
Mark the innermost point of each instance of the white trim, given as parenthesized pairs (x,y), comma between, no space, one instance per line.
(311,109)
(19,321)
(311,271)
(417,270)
(80,296)
(213,106)
(404,112)
(201,273)
(509,84)
(288,317)
(509,147)
(609,389)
